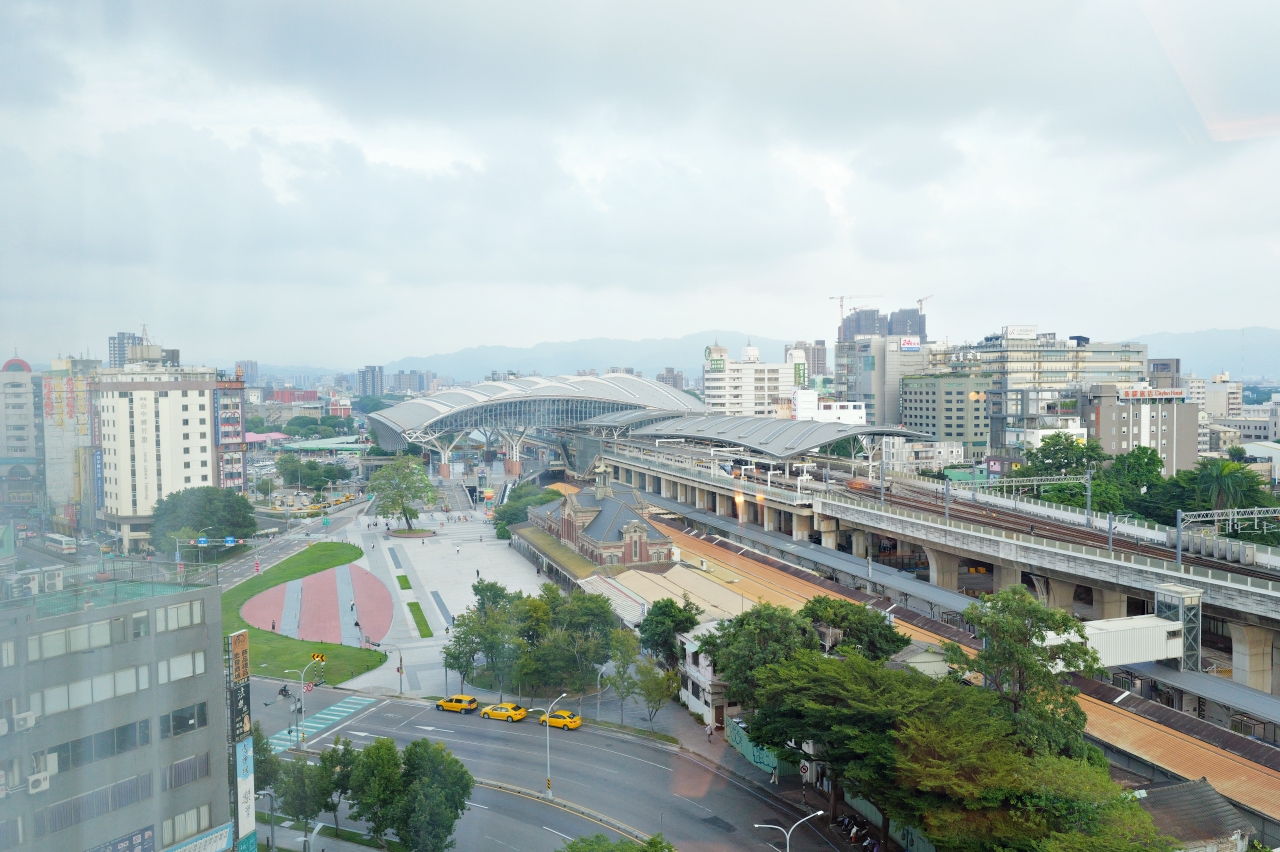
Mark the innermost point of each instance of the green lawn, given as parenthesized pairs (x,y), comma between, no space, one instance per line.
(424,629)
(403,581)
(280,652)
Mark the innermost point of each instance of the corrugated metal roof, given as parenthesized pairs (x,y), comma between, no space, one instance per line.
(1237,696)
(1235,777)
(768,435)
(627,604)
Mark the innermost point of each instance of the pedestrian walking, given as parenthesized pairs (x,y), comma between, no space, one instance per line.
(711,729)
(273,625)
(773,779)
(477,573)
(457,548)
(353,606)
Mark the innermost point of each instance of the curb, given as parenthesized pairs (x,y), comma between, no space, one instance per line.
(620,827)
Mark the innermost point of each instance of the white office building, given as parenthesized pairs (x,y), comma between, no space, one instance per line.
(806,405)
(750,387)
(870,370)
(158,436)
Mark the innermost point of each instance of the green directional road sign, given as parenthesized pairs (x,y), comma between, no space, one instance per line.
(325,522)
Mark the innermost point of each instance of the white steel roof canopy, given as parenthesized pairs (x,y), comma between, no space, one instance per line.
(768,435)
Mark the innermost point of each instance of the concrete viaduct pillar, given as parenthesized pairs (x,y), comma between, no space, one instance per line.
(1061,595)
(699,498)
(944,568)
(860,543)
(1251,655)
(1005,577)
(830,529)
(800,526)
(1109,604)
(771,520)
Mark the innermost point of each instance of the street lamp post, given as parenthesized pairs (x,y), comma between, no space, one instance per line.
(272,796)
(302,698)
(399,668)
(547,725)
(787,831)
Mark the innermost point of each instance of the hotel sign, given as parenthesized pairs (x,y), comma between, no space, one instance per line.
(1153,393)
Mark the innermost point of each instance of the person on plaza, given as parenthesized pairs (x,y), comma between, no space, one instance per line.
(711,729)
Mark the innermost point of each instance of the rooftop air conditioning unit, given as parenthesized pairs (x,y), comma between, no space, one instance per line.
(38,783)
(26,584)
(24,721)
(53,581)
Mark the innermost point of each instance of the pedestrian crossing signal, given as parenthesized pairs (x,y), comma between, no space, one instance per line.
(317,658)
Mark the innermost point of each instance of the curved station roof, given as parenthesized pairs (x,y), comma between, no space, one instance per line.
(519,404)
(767,435)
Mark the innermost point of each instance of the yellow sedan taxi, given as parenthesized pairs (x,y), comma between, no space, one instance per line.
(508,712)
(564,719)
(458,703)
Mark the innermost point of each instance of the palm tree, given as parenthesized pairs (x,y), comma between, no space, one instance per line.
(1223,483)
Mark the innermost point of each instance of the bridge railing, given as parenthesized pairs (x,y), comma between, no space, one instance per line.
(718,479)
(1254,583)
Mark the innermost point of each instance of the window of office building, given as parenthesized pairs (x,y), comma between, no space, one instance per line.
(184,825)
(184,720)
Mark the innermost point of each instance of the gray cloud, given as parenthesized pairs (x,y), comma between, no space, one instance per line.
(340,183)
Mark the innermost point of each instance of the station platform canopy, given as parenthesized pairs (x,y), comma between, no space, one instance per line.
(780,439)
(510,408)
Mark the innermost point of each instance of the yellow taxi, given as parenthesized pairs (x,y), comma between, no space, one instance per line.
(508,711)
(564,719)
(458,703)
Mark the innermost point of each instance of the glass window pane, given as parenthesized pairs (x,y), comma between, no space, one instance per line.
(204,817)
(126,738)
(81,751)
(33,648)
(117,630)
(144,732)
(160,620)
(104,745)
(141,624)
(104,687)
(37,703)
(144,675)
(162,672)
(126,681)
(197,612)
(80,693)
(199,662)
(100,634)
(166,726)
(53,643)
(202,718)
(7,654)
(180,667)
(184,614)
(55,700)
(78,638)
(61,755)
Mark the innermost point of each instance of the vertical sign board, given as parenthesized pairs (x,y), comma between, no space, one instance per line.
(238,732)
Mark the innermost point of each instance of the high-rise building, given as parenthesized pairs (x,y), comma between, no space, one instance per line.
(70,461)
(1020,356)
(870,370)
(369,381)
(22,434)
(672,378)
(1122,418)
(907,322)
(1164,372)
(866,321)
(750,387)
(159,433)
(117,731)
(950,407)
(249,372)
(118,348)
(229,408)
(414,381)
(1223,397)
(815,355)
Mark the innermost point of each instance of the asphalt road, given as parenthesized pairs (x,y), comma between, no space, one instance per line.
(651,787)
(283,546)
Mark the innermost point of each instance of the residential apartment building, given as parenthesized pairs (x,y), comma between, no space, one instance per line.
(1022,417)
(232,444)
(750,387)
(1021,357)
(113,719)
(248,371)
(369,381)
(950,407)
(1164,372)
(21,440)
(1123,418)
(870,370)
(159,432)
(69,456)
(1223,397)
(815,355)
(1249,428)
(907,322)
(904,456)
(118,348)
(414,381)
(671,377)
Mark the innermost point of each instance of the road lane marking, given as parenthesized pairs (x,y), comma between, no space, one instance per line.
(474,805)
(426,728)
(692,802)
(553,831)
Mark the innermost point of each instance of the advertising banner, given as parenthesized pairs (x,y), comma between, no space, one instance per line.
(142,840)
(217,840)
(909,344)
(244,788)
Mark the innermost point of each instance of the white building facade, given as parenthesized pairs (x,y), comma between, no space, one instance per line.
(750,387)
(158,432)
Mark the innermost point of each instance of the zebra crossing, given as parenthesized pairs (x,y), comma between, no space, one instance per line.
(315,724)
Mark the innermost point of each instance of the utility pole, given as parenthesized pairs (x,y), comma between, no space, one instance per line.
(1088,498)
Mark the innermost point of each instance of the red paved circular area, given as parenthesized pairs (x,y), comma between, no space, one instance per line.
(321,613)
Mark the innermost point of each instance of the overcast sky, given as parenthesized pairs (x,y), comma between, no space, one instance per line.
(351,183)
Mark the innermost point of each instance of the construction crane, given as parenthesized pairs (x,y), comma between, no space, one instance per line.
(840,299)
(920,303)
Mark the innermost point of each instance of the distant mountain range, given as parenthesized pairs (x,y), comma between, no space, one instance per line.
(1246,353)
(650,356)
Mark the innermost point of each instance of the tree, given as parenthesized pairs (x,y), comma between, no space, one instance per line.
(219,511)
(398,486)
(436,786)
(255,424)
(266,763)
(463,647)
(865,629)
(626,650)
(265,486)
(302,788)
(1059,452)
(601,843)
(1029,672)
(656,686)
(762,635)
(1103,495)
(1236,453)
(516,509)
(1225,484)
(337,762)
(376,786)
(1137,469)
(177,542)
(369,404)
(662,622)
